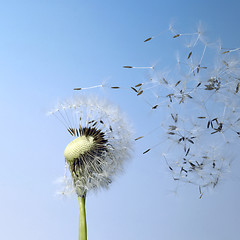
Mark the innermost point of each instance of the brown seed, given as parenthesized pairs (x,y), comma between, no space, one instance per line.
(138,138)
(140,93)
(177,35)
(115,87)
(134,89)
(138,85)
(77,88)
(148,39)
(154,107)
(147,150)
(127,67)
(177,83)
(226,52)
(189,55)
(237,88)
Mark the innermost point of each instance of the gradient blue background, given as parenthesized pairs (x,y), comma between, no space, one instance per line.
(47,48)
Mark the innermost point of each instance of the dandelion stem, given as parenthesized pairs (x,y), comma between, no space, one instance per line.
(82,219)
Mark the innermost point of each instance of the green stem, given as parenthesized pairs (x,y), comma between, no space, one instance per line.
(82,219)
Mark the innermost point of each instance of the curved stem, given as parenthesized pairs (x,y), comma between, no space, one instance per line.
(82,219)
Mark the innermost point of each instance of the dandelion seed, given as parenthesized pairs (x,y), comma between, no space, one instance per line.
(134,89)
(77,89)
(127,67)
(138,138)
(189,55)
(177,35)
(148,39)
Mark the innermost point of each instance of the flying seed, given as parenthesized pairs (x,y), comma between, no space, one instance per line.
(138,138)
(177,35)
(170,168)
(226,52)
(191,141)
(154,107)
(171,133)
(115,87)
(165,80)
(177,83)
(77,88)
(201,117)
(199,84)
(201,196)
(189,55)
(134,89)
(140,93)
(237,88)
(127,67)
(148,39)
(225,63)
(147,150)
(138,85)
(187,152)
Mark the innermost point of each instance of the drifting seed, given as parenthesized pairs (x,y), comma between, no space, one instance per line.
(148,39)
(191,141)
(201,196)
(226,52)
(165,80)
(77,88)
(101,121)
(188,95)
(140,93)
(184,170)
(200,190)
(134,89)
(154,107)
(201,117)
(192,164)
(138,138)
(225,63)
(171,133)
(189,55)
(187,152)
(176,179)
(198,67)
(138,85)
(110,128)
(147,150)
(199,84)
(177,83)
(127,67)
(172,127)
(214,164)
(115,87)
(237,88)
(170,168)
(177,35)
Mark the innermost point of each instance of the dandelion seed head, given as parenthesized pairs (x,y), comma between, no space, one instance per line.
(102,141)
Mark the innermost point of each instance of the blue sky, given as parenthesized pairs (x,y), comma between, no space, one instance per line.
(47,48)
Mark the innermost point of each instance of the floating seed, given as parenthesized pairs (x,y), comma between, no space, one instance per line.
(77,88)
(147,150)
(127,67)
(189,55)
(177,35)
(140,93)
(138,138)
(148,39)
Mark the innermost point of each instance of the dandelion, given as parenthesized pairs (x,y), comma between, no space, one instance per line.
(101,143)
